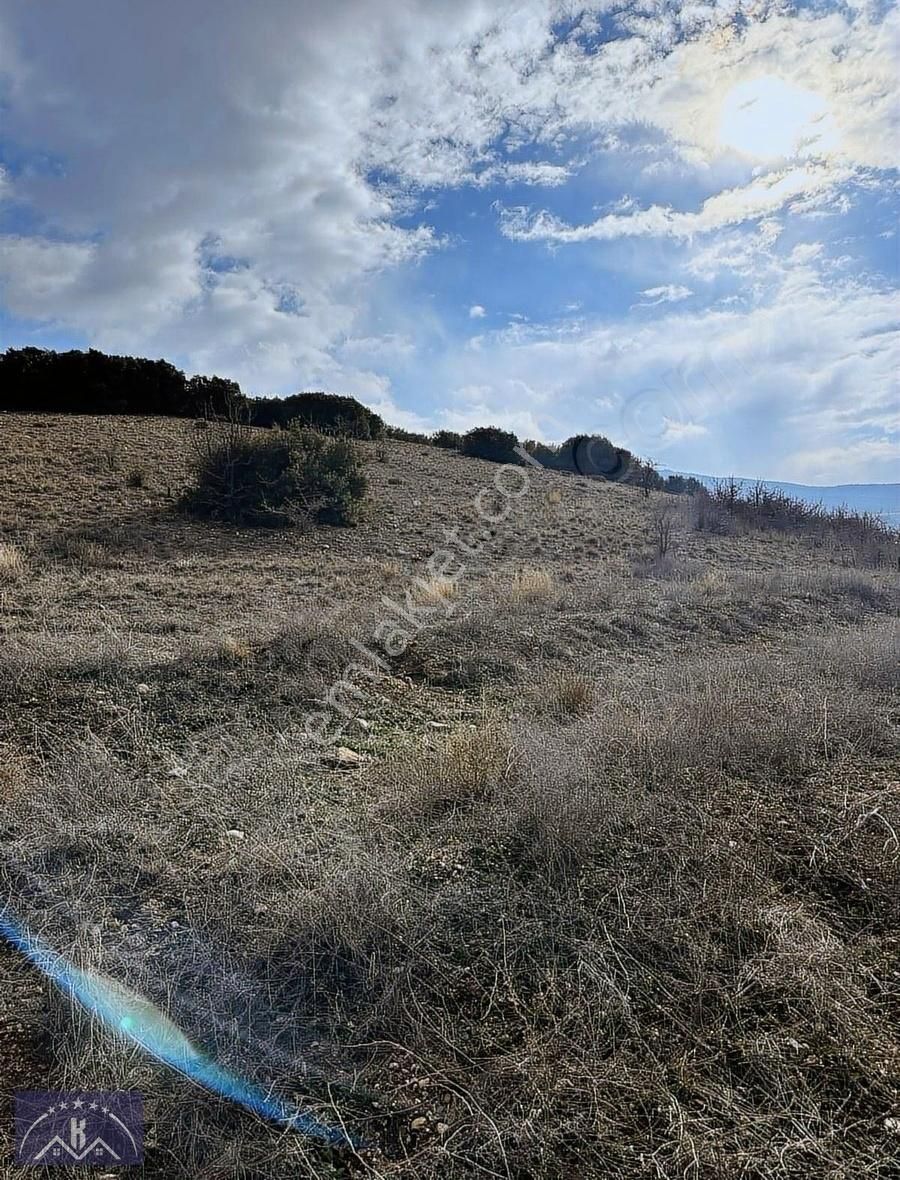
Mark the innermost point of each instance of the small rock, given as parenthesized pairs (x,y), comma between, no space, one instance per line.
(143,689)
(892,1126)
(442,1128)
(418,1124)
(363,724)
(177,772)
(235,834)
(438,724)
(345,759)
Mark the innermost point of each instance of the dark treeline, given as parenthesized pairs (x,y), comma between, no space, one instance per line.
(92,382)
(594,456)
(36,379)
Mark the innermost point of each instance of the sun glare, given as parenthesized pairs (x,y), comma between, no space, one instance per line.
(768,118)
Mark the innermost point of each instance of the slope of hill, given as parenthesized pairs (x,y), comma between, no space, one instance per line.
(593,872)
(878,499)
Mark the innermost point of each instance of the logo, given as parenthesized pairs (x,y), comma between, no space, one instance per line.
(57,1128)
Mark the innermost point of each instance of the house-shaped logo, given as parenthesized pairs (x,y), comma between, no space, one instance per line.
(94,1129)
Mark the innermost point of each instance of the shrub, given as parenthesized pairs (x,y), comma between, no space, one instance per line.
(663,524)
(449,440)
(328,413)
(136,478)
(861,537)
(400,434)
(275,478)
(708,515)
(490,442)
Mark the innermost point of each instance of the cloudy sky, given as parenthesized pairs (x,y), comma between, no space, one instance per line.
(672,223)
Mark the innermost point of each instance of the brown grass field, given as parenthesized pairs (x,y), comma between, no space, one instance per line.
(610,891)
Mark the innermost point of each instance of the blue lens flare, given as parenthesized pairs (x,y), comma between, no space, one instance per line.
(133,1016)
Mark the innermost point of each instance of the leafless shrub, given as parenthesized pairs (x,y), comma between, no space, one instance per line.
(707,515)
(868,657)
(864,538)
(665,567)
(664,520)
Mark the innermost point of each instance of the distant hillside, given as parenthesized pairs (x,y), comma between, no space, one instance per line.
(879,499)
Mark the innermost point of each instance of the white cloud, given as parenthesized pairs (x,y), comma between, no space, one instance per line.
(238,188)
(841,64)
(758,200)
(810,369)
(668,293)
(849,462)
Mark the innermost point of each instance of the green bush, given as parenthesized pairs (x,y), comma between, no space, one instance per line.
(288,477)
(450,440)
(490,442)
(329,413)
(401,434)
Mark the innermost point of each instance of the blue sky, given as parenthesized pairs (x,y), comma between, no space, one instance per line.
(676,224)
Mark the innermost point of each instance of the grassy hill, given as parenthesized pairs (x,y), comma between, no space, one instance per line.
(603,883)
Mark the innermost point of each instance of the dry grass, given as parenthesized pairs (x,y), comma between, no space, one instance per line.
(83,552)
(12,563)
(569,693)
(532,587)
(15,773)
(231,649)
(516,927)
(463,767)
(434,591)
(649,930)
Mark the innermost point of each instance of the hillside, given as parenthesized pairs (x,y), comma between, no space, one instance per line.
(878,499)
(603,883)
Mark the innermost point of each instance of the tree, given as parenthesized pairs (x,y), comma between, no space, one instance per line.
(490,442)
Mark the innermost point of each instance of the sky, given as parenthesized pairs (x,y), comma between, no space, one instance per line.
(673,224)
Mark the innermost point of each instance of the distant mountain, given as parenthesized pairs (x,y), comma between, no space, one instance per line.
(878,499)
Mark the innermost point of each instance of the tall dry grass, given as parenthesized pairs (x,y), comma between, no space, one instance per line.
(666,929)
